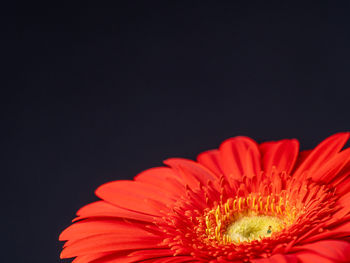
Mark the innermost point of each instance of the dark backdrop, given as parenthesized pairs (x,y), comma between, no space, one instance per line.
(100,93)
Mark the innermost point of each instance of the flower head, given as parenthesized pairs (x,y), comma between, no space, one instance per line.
(243,202)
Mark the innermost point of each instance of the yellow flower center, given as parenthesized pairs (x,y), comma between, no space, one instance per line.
(245,219)
(253,227)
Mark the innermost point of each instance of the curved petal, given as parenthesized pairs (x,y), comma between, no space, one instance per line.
(330,169)
(342,182)
(211,160)
(307,257)
(135,196)
(177,259)
(335,250)
(344,187)
(152,253)
(278,258)
(136,256)
(90,227)
(281,155)
(109,243)
(300,159)
(104,209)
(344,203)
(92,257)
(322,153)
(164,178)
(240,156)
(334,233)
(193,173)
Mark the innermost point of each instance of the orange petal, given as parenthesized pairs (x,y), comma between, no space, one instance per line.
(211,160)
(137,256)
(335,250)
(341,177)
(104,209)
(281,155)
(240,157)
(149,254)
(91,257)
(134,196)
(177,259)
(90,227)
(337,232)
(108,243)
(344,186)
(307,257)
(330,169)
(322,153)
(164,178)
(278,258)
(300,159)
(192,173)
(344,203)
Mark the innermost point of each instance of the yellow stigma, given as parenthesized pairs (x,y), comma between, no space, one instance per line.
(253,227)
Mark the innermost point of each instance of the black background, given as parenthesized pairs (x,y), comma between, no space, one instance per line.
(100,93)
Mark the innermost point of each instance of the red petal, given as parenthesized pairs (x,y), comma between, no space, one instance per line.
(91,257)
(134,196)
(177,259)
(300,159)
(192,173)
(104,209)
(137,256)
(306,257)
(337,232)
(148,255)
(240,157)
(330,169)
(322,153)
(344,186)
(344,203)
(278,258)
(211,160)
(341,178)
(90,227)
(152,253)
(108,243)
(335,250)
(282,155)
(164,178)
(128,259)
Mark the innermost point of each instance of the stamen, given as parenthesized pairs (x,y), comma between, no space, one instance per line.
(248,218)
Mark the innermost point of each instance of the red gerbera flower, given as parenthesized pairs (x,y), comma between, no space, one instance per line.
(244,202)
